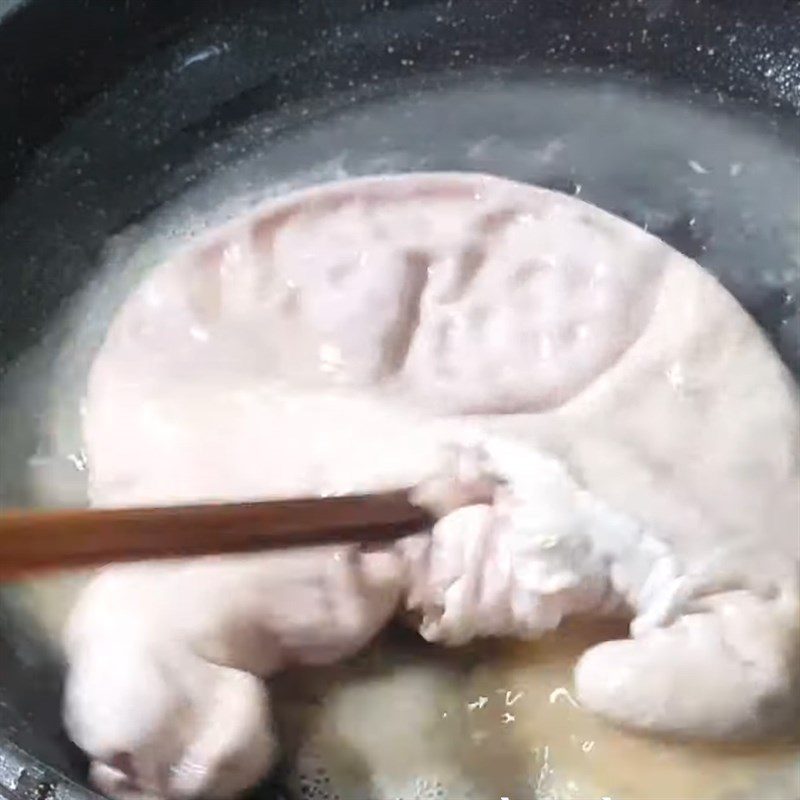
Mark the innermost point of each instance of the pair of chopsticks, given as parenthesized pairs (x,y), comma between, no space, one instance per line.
(32,542)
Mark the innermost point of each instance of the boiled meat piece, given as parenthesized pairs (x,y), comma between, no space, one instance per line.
(164,689)
(601,428)
(714,645)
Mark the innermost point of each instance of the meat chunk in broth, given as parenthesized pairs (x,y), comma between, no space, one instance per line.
(599,426)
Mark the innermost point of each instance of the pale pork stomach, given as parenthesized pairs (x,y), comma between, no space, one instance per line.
(600,427)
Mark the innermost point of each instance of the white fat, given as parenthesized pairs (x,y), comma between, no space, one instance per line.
(531,548)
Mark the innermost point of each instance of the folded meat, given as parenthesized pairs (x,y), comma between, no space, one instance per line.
(598,424)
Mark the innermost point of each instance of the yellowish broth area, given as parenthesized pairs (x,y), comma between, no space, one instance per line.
(578,755)
(493,721)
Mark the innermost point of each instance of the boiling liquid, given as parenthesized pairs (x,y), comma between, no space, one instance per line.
(492,721)
(497,720)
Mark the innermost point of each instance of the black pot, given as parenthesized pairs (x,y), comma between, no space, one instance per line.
(109,109)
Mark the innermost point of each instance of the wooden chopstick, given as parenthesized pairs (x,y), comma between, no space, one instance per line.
(34,541)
